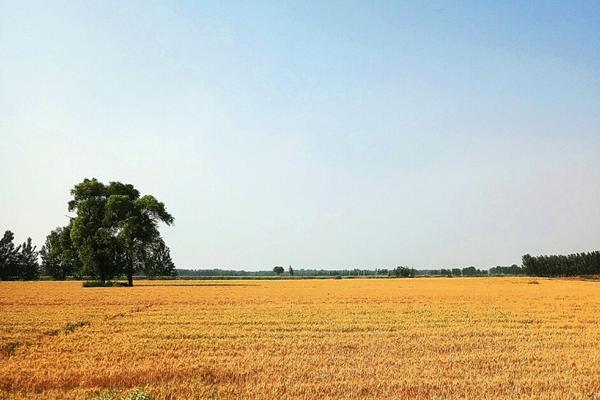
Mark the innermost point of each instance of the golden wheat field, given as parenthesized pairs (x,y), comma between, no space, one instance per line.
(423,338)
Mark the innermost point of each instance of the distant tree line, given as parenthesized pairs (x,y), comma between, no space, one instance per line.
(467,271)
(560,265)
(399,272)
(114,233)
(403,272)
(291,272)
(511,270)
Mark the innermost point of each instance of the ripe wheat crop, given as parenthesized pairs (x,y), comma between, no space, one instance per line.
(423,338)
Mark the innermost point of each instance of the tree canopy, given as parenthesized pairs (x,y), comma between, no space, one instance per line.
(9,256)
(17,262)
(114,232)
(561,265)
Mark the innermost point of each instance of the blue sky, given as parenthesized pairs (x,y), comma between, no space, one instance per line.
(317,134)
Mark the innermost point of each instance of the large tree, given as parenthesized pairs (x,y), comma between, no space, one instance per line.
(134,220)
(97,248)
(114,228)
(9,256)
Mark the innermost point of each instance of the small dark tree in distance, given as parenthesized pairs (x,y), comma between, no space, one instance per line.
(278,270)
(404,272)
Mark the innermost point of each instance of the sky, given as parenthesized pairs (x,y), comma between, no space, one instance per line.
(315,134)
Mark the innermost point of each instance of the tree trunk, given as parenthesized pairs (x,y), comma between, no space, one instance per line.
(129,270)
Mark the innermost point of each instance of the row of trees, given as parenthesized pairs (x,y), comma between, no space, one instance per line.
(403,272)
(17,262)
(294,272)
(114,233)
(467,271)
(394,272)
(560,265)
(511,270)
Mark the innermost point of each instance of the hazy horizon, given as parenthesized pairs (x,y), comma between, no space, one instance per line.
(318,135)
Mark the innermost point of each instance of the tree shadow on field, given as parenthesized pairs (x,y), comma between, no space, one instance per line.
(196,284)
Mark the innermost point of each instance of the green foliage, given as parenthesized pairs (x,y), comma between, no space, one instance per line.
(59,257)
(278,270)
(560,265)
(9,257)
(28,261)
(138,394)
(134,224)
(511,270)
(472,271)
(96,246)
(117,394)
(18,262)
(97,284)
(115,229)
(157,260)
(404,272)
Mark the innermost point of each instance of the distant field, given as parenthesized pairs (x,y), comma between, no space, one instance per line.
(438,338)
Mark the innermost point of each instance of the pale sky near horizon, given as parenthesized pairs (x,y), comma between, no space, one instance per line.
(317,134)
